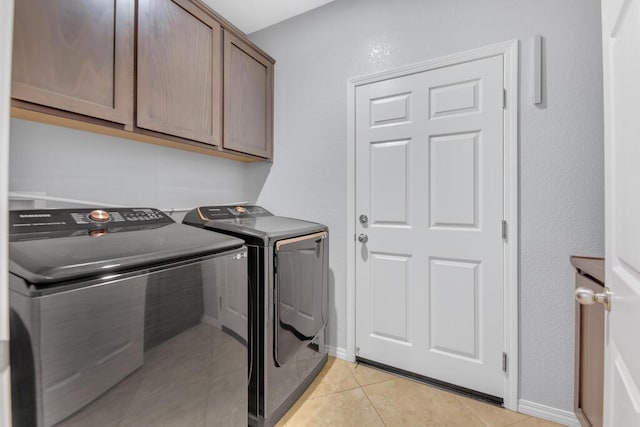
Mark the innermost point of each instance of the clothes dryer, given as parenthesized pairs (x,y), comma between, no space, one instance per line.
(288,275)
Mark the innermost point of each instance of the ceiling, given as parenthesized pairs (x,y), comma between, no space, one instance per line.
(254,15)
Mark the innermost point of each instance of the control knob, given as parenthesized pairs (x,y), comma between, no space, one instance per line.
(99,215)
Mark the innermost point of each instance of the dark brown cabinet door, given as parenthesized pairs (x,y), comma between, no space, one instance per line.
(248,99)
(75,55)
(179,71)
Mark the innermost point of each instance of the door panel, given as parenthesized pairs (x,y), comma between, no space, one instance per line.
(80,59)
(248,99)
(429,174)
(454,284)
(621,42)
(390,187)
(390,110)
(390,303)
(179,71)
(454,99)
(454,180)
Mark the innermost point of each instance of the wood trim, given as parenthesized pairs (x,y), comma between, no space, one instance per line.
(593,314)
(576,368)
(592,266)
(54,117)
(124,60)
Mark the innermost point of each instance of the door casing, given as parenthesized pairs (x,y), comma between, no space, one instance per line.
(509,52)
(6,37)
(620,65)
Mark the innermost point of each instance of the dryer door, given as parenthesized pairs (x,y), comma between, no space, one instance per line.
(300,293)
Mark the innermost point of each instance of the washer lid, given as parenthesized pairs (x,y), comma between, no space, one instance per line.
(63,255)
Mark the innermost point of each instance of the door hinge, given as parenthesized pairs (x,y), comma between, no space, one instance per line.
(4,355)
(504,362)
(504,229)
(504,98)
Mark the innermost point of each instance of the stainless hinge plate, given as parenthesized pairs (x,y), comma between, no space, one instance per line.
(504,229)
(4,355)
(504,362)
(504,98)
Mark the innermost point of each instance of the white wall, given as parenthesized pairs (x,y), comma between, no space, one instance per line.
(561,165)
(79,165)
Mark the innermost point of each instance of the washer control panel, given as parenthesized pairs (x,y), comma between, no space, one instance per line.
(74,220)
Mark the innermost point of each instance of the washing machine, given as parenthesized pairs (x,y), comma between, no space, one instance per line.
(116,319)
(288,274)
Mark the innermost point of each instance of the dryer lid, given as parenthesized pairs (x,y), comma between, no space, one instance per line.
(268,229)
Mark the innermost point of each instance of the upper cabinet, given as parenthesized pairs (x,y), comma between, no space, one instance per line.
(179,76)
(76,56)
(248,99)
(200,85)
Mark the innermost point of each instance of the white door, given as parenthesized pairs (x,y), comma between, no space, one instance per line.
(429,179)
(621,55)
(6,36)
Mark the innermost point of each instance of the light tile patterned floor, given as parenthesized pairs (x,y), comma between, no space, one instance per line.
(345,394)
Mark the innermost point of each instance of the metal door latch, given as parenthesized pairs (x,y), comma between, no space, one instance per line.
(586,296)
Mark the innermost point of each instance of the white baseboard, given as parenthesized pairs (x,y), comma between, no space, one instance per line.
(548,413)
(211,321)
(336,352)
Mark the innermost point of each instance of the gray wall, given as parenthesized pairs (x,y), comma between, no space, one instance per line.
(79,165)
(561,160)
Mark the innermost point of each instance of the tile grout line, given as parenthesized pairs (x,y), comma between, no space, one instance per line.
(520,421)
(459,399)
(470,412)
(467,409)
(373,406)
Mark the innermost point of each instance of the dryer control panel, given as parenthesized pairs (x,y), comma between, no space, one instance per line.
(209,213)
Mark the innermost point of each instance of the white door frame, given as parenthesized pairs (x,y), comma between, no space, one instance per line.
(509,51)
(6,38)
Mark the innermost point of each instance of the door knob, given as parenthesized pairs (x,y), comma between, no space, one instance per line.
(363,238)
(587,297)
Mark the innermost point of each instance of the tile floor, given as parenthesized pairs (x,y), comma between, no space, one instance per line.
(181,382)
(345,394)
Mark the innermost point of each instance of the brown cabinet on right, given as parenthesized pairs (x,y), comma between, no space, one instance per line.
(248,99)
(589,369)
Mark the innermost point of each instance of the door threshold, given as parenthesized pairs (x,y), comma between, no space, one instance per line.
(466,392)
